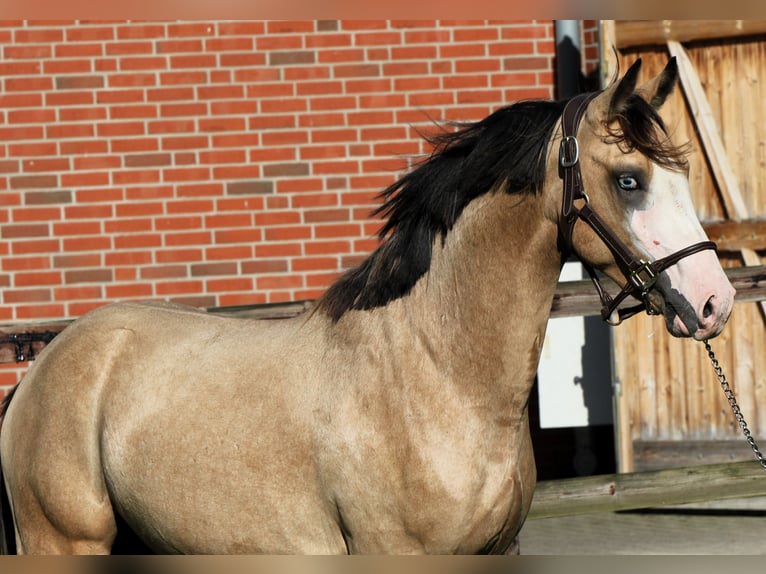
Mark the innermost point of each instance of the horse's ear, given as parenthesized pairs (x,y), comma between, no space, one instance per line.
(657,90)
(624,88)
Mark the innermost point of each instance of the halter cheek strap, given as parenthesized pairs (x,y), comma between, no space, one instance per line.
(641,275)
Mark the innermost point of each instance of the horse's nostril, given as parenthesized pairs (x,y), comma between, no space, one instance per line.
(709,308)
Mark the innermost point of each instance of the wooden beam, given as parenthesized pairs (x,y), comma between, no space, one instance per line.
(571,299)
(635,33)
(612,492)
(737,235)
(703,118)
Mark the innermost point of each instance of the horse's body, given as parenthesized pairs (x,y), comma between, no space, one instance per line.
(391,419)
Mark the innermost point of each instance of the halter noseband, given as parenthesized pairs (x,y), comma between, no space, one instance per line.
(641,275)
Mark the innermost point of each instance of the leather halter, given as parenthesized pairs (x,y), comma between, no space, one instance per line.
(641,275)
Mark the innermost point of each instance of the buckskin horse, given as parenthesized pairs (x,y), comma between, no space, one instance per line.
(391,417)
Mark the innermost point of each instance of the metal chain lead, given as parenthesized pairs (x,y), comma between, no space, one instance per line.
(734,405)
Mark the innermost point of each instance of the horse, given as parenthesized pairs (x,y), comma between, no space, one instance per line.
(392,416)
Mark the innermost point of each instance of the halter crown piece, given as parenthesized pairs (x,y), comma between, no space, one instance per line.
(641,275)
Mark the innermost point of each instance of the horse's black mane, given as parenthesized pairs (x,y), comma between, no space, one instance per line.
(507,148)
(504,151)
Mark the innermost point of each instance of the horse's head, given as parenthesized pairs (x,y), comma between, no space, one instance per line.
(630,211)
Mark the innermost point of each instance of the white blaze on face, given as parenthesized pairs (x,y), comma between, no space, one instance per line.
(666,222)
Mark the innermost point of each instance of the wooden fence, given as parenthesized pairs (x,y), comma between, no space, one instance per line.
(24,341)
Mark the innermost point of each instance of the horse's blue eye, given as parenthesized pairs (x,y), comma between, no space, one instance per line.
(628,183)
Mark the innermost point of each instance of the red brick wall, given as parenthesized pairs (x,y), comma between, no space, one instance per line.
(222,163)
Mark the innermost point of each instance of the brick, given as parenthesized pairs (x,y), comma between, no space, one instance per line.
(261,266)
(138,241)
(26,263)
(179,287)
(177,223)
(228,220)
(164,272)
(91,243)
(34,182)
(85,179)
(229,284)
(326,247)
(129,291)
(144,63)
(287,233)
(237,236)
(77,228)
(21,68)
(77,293)
(96,162)
(206,269)
(199,190)
(186,174)
(186,29)
(22,52)
(25,312)
(314,263)
(120,226)
(278,250)
(79,82)
(279,282)
(97,275)
(82,260)
(74,130)
(91,114)
(235,252)
(272,154)
(221,124)
(30,85)
(189,206)
(357,70)
(292,57)
(327,25)
(16,296)
(147,160)
(294,169)
(175,46)
(45,35)
(131,258)
(192,61)
(26,230)
(28,214)
(188,238)
(38,278)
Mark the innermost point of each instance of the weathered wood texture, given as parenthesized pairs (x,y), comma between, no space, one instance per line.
(667,388)
(608,493)
(647,32)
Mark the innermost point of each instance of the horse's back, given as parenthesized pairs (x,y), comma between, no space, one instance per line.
(171,415)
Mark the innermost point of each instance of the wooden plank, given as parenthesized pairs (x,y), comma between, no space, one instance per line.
(708,130)
(737,235)
(571,299)
(662,454)
(612,492)
(635,33)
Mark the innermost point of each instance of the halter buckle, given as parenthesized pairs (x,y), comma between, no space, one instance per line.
(569,152)
(644,277)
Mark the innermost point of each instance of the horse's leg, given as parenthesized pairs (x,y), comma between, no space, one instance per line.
(70,525)
(513,548)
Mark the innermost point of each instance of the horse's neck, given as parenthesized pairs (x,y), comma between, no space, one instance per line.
(484,304)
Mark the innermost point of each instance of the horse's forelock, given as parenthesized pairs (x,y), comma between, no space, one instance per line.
(641,128)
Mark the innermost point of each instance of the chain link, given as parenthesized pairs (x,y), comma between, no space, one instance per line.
(731,399)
